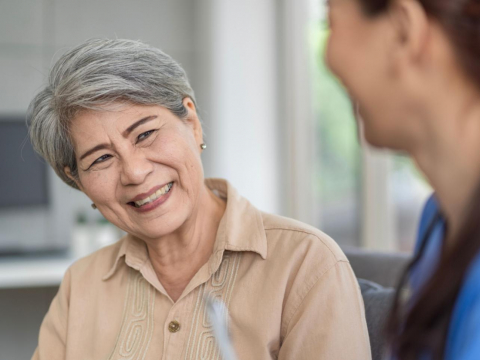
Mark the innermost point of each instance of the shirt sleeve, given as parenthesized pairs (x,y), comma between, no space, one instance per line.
(470,346)
(53,331)
(464,333)
(329,322)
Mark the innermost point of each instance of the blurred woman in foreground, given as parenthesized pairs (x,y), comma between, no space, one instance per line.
(413,66)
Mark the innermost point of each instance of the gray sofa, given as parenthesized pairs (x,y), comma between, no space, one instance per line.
(378,274)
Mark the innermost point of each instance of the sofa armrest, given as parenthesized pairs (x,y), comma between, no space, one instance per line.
(382,268)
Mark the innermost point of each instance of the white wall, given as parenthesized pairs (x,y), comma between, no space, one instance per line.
(297,109)
(237,48)
(33,32)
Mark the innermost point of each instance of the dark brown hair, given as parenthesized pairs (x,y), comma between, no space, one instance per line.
(423,327)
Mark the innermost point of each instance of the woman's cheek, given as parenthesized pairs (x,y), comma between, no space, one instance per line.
(334,58)
(98,184)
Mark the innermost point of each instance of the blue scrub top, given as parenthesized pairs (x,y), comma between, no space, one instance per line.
(463,339)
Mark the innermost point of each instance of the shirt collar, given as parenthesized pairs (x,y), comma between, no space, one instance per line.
(240,229)
(133,252)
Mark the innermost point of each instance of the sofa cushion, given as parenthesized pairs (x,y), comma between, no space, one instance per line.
(378,301)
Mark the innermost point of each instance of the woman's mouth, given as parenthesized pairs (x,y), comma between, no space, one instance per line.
(143,203)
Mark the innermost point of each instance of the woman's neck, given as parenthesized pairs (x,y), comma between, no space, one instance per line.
(449,155)
(177,257)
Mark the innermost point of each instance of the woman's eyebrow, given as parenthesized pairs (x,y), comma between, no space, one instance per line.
(96,148)
(138,123)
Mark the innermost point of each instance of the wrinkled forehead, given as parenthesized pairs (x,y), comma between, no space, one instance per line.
(109,120)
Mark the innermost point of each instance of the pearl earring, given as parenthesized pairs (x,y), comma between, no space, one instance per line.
(203,146)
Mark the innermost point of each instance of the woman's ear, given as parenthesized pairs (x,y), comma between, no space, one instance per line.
(411,30)
(193,120)
(68,172)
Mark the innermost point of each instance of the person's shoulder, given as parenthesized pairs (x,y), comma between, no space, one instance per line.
(96,265)
(471,287)
(297,237)
(464,337)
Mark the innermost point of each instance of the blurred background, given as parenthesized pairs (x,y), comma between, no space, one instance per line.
(277,124)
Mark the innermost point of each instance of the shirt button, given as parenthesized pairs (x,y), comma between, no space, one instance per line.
(174,326)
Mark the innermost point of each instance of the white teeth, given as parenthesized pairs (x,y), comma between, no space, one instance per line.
(155,195)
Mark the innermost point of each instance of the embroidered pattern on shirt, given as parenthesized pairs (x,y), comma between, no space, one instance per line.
(201,342)
(137,325)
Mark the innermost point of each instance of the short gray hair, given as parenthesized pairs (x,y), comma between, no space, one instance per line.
(92,75)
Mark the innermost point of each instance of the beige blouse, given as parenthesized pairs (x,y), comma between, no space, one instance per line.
(290,291)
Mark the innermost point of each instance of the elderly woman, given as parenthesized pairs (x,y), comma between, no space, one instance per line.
(118,121)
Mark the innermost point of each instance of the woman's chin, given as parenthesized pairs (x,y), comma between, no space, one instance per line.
(375,142)
(150,234)
(380,140)
(157,228)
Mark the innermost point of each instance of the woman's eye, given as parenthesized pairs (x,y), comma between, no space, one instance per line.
(101,159)
(144,135)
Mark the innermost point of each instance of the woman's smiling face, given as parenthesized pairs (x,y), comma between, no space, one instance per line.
(140,165)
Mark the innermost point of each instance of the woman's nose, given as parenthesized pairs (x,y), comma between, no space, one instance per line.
(135,168)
